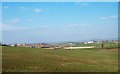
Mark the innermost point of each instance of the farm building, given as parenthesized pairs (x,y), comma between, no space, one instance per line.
(89,42)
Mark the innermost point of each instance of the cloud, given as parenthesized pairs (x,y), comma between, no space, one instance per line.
(29,20)
(14,21)
(85,24)
(77,3)
(84,4)
(6,7)
(13,24)
(38,10)
(109,17)
(11,27)
(103,17)
(24,7)
(114,16)
(6,27)
(78,25)
(17,21)
(0,26)
(73,25)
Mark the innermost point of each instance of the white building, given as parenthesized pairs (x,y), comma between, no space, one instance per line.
(89,42)
(12,45)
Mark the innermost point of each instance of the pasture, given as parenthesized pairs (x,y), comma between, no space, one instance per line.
(21,59)
(107,45)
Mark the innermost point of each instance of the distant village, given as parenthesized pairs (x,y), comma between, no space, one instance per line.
(65,45)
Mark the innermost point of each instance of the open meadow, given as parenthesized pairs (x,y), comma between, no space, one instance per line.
(59,36)
(21,59)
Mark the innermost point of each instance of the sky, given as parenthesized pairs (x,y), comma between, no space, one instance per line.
(60,0)
(34,22)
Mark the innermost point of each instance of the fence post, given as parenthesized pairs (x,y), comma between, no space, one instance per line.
(102,46)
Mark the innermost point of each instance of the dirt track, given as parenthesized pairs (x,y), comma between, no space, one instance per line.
(79,47)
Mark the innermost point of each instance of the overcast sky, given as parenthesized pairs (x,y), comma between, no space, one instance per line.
(31,22)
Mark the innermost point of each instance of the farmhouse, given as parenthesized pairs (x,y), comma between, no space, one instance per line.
(89,42)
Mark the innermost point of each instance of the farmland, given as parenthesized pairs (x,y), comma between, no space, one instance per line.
(21,59)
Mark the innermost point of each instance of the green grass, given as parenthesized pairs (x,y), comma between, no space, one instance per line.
(20,59)
(107,45)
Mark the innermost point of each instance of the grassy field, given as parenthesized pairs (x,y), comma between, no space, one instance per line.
(20,59)
(107,45)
